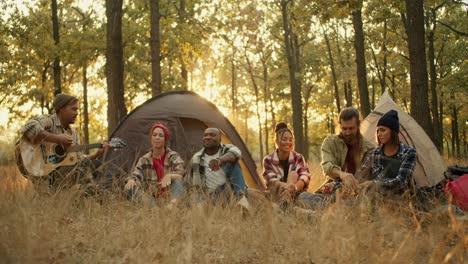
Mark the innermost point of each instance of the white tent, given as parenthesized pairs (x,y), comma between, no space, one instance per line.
(430,166)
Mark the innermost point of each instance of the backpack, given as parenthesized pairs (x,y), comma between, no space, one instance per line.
(458,188)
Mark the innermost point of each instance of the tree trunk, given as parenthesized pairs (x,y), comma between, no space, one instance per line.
(234,87)
(85,106)
(306,122)
(155,43)
(295,84)
(331,124)
(373,92)
(465,144)
(257,104)
(246,126)
(265,105)
(456,134)
(332,66)
(453,134)
(183,65)
(433,83)
(56,35)
(44,89)
(384,67)
(441,113)
(116,110)
(348,93)
(361,61)
(418,65)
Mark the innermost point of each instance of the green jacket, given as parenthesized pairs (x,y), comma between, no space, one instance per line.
(334,152)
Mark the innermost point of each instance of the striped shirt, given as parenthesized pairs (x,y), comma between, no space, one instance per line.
(49,123)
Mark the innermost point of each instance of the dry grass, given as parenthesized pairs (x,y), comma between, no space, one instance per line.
(67,229)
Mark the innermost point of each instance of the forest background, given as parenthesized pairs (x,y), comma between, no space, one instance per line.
(259,62)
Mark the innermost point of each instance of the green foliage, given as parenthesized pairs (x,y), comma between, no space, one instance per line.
(207,38)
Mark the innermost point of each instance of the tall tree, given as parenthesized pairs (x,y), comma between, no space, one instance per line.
(293,68)
(431,25)
(333,71)
(155,48)
(181,21)
(56,35)
(360,57)
(250,70)
(418,65)
(116,110)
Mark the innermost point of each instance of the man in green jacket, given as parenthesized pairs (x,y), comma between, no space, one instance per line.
(343,154)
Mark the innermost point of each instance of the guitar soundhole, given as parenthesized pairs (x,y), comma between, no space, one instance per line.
(59,150)
(58,156)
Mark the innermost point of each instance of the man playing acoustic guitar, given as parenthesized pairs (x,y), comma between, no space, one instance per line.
(56,129)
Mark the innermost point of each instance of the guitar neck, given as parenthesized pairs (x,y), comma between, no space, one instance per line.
(77,148)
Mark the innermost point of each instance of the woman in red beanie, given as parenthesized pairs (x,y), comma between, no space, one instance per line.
(158,174)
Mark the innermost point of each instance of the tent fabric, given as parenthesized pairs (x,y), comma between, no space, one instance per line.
(430,166)
(187,115)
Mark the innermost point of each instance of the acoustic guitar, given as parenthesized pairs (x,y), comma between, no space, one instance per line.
(39,160)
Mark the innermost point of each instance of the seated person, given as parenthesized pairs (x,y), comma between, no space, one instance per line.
(57,129)
(343,154)
(284,170)
(388,169)
(216,165)
(158,174)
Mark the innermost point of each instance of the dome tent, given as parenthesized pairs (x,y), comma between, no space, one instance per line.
(187,115)
(430,166)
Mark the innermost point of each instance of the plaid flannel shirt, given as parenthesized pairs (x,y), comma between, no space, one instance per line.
(51,124)
(145,174)
(197,176)
(272,170)
(374,167)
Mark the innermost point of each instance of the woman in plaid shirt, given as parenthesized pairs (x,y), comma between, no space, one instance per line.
(388,168)
(285,171)
(158,174)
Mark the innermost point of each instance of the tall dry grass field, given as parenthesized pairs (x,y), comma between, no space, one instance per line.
(67,228)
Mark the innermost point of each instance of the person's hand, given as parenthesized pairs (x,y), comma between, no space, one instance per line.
(64,140)
(105,146)
(130,185)
(292,188)
(328,188)
(285,194)
(165,181)
(349,182)
(366,186)
(104,149)
(215,164)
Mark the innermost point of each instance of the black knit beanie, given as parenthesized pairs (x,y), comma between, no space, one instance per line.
(62,100)
(390,120)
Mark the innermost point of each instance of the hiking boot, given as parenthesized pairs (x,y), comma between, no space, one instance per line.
(244,203)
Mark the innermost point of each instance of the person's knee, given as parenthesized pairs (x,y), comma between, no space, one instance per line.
(177,188)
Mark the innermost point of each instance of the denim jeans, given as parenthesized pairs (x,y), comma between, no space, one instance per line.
(236,178)
(314,200)
(177,190)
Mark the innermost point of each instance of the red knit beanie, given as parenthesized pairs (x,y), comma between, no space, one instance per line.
(163,127)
